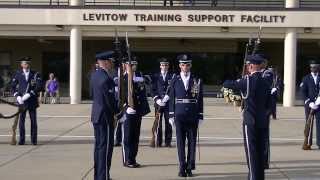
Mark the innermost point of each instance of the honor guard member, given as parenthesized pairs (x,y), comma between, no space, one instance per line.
(160,84)
(277,86)
(310,90)
(102,113)
(186,112)
(256,93)
(132,124)
(26,84)
(268,75)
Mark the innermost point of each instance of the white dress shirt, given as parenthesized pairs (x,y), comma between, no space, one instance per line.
(185,78)
(315,77)
(163,74)
(26,73)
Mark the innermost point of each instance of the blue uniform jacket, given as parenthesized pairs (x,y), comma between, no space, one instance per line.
(192,110)
(140,100)
(103,95)
(160,86)
(310,89)
(258,103)
(21,86)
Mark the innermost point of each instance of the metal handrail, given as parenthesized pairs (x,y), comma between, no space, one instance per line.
(151,3)
(210,3)
(309,3)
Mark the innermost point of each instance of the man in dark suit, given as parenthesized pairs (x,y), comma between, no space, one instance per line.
(26,85)
(186,112)
(103,109)
(133,116)
(256,94)
(160,89)
(310,88)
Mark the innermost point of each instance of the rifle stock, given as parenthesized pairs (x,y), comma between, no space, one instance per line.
(308,127)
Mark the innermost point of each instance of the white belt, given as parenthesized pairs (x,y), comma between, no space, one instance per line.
(186,101)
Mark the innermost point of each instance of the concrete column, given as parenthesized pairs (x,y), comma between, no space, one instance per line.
(75,65)
(290,61)
(75,59)
(290,53)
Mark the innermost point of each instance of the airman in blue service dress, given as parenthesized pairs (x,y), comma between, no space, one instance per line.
(102,90)
(310,88)
(26,85)
(256,94)
(277,87)
(132,124)
(185,113)
(160,89)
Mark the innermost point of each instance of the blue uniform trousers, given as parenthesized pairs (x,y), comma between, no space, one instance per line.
(131,134)
(186,130)
(274,105)
(118,133)
(317,120)
(267,147)
(254,142)
(34,126)
(168,129)
(103,149)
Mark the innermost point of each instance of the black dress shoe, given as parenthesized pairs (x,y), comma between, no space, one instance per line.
(133,165)
(189,173)
(168,145)
(182,174)
(21,143)
(136,165)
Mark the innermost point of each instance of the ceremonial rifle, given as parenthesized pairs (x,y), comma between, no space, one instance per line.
(250,50)
(130,75)
(120,71)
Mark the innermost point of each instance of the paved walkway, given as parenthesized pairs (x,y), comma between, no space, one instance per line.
(65,150)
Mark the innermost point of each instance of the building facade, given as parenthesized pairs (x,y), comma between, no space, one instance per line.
(63,36)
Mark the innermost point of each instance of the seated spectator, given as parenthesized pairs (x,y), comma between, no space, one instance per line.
(52,89)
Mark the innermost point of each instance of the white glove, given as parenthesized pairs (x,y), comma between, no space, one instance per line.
(313,106)
(26,97)
(160,103)
(123,118)
(273,90)
(317,101)
(165,99)
(19,99)
(171,121)
(130,111)
(138,79)
(200,122)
